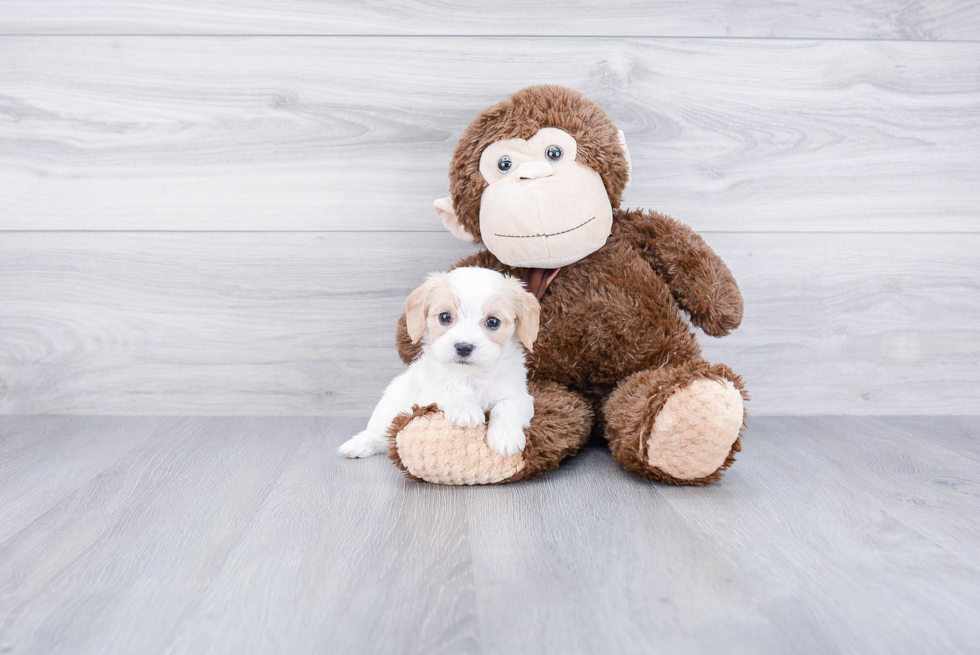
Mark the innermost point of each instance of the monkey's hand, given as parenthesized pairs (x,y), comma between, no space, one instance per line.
(698,279)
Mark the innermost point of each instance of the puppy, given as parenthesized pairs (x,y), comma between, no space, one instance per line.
(472,322)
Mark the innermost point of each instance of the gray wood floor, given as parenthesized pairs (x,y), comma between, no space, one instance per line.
(250,535)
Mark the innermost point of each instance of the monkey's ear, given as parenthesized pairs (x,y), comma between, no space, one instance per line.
(629,162)
(444,210)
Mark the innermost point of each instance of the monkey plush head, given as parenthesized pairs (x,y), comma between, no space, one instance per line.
(536,178)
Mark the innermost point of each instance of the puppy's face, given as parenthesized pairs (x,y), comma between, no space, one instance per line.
(472,316)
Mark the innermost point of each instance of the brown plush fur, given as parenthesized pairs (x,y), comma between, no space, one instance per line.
(616,313)
(560,427)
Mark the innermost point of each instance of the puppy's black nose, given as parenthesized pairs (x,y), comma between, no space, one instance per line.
(464,349)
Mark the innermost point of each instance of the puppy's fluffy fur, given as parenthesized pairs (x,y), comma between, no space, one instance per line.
(472,322)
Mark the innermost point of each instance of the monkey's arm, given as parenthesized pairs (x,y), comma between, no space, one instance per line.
(698,278)
(409,351)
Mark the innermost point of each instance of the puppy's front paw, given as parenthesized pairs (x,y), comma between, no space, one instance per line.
(365,444)
(466,414)
(505,437)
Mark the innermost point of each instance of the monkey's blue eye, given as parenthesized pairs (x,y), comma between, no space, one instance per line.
(553,153)
(445,318)
(504,164)
(493,322)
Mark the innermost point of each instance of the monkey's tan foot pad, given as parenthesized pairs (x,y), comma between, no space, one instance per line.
(696,430)
(428,447)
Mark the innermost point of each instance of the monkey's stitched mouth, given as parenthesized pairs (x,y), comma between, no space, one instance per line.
(532,236)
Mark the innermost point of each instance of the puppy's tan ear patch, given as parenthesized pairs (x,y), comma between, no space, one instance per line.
(420,301)
(528,317)
(415,310)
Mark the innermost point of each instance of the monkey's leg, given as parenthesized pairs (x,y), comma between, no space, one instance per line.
(679,424)
(428,447)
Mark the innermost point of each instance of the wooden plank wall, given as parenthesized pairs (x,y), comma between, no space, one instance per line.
(218,208)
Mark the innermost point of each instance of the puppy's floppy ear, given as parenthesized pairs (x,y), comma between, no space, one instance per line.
(418,303)
(445,212)
(416,308)
(528,316)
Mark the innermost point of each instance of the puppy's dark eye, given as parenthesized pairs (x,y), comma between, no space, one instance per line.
(553,153)
(445,318)
(504,164)
(493,322)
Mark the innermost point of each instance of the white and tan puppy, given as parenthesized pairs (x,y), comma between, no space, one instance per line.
(472,322)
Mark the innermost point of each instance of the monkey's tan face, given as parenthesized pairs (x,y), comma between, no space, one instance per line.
(542,208)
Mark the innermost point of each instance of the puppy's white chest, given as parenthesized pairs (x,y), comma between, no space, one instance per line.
(484,390)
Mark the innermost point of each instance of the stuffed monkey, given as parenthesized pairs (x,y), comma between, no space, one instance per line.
(537,179)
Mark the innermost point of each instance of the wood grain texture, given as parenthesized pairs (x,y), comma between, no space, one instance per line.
(845,324)
(205,323)
(918,482)
(596,548)
(44,460)
(169,133)
(297,323)
(347,557)
(852,520)
(956,433)
(236,535)
(837,19)
(140,540)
